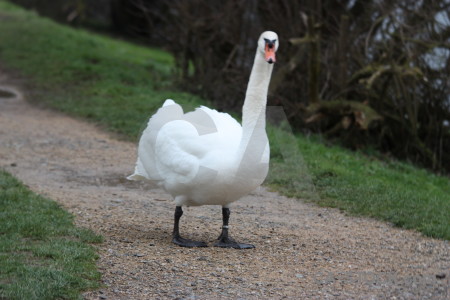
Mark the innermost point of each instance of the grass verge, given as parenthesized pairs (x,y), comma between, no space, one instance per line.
(112,83)
(119,85)
(42,254)
(388,190)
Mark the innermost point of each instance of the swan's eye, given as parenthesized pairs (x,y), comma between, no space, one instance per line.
(270,43)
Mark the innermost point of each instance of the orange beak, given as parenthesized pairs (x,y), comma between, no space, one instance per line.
(270,53)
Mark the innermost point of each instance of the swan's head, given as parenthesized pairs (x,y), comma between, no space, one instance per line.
(268,45)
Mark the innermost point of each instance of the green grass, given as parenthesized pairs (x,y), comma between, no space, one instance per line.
(389,190)
(113,83)
(42,254)
(119,85)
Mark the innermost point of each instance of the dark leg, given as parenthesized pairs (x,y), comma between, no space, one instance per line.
(224,240)
(177,239)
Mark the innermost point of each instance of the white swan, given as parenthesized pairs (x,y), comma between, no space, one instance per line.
(206,157)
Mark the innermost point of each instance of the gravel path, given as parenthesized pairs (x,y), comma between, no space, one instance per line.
(302,251)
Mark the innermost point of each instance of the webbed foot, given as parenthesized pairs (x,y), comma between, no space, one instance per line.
(226,242)
(178,240)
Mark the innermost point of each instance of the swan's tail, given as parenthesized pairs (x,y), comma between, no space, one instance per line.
(139,172)
(136,177)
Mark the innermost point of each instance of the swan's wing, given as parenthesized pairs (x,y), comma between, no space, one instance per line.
(223,121)
(200,139)
(228,131)
(145,163)
(179,151)
(174,145)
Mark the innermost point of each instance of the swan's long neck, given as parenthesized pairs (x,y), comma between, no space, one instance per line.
(254,109)
(251,170)
(254,139)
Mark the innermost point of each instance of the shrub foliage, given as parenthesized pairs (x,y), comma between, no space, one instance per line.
(367,73)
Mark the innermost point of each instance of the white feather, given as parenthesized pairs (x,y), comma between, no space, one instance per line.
(206,157)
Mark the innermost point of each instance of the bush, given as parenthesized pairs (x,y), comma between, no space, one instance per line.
(370,74)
